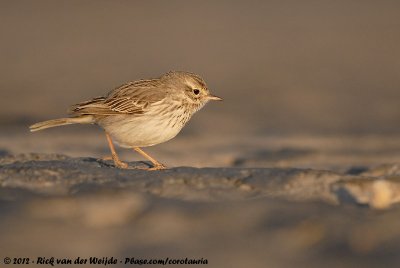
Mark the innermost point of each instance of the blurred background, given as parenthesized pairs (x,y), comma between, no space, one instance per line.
(281,66)
(319,68)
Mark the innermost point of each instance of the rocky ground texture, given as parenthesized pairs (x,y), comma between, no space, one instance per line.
(61,206)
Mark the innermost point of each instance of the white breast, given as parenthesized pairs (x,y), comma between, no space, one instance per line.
(144,130)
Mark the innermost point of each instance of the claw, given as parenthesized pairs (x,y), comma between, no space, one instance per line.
(121,164)
(124,165)
(158,167)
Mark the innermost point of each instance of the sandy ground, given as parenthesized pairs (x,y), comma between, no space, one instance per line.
(267,202)
(297,167)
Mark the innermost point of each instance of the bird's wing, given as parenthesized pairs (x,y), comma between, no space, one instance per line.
(130,98)
(135,97)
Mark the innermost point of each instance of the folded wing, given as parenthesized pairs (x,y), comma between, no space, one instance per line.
(130,98)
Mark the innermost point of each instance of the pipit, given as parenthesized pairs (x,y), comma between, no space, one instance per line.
(141,113)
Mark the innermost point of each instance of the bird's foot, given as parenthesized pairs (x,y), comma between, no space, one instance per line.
(158,167)
(154,167)
(120,164)
(124,165)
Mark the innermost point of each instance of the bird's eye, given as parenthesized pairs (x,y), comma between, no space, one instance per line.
(196,91)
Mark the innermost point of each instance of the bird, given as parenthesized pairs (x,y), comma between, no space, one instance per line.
(141,113)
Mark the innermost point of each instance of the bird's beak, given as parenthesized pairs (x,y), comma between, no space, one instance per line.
(212,97)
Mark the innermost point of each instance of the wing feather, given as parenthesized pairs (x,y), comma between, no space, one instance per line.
(130,98)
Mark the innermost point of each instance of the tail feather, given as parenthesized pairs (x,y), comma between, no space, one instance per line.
(61,122)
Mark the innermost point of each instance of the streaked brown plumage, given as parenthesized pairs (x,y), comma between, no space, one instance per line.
(141,113)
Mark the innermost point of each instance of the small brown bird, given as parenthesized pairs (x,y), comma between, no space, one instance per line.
(141,113)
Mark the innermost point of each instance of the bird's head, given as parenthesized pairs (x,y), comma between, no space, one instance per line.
(191,87)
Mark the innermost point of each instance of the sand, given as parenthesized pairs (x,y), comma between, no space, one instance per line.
(260,209)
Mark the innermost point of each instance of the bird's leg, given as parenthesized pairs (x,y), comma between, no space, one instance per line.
(117,161)
(156,165)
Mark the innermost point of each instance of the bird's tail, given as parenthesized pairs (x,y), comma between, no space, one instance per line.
(88,119)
